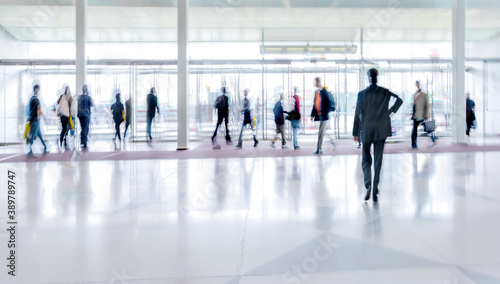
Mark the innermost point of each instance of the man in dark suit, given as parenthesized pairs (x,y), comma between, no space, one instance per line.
(373,122)
(152,100)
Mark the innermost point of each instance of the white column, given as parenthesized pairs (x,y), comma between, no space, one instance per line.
(81,57)
(183,76)
(458,96)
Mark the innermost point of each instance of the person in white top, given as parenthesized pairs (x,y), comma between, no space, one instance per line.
(64,102)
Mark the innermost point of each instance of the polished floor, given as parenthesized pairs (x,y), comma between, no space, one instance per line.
(256,220)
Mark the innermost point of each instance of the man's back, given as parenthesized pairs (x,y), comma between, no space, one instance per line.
(222,105)
(372,116)
(84,104)
(152,105)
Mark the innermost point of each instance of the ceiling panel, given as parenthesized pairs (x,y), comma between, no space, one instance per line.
(156,21)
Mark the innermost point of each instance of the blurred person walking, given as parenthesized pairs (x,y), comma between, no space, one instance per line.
(372,120)
(85,103)
(152,102)
(128,116)
(420,113)
(279,119)
(247,119)
(35,111)
(118,112)
(222,106)
(322,106)
(64,103)
(470,113)
(294,117)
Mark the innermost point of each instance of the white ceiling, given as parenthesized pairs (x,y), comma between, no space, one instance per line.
(147,20)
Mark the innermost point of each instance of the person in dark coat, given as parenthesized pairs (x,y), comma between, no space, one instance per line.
(85,104)
(320,112)
(373,120)
(247,119)
(279,119)
(118,110)
(470,113)
(128,116)
(152,109)
(222,106)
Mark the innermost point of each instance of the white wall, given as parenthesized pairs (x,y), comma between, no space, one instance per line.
(486,89)
(10,107)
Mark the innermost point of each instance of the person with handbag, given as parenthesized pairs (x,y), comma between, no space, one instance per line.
(35,111)
(247,119)
(294,117)
(470,113)
(372,121)
(420,113)
(64,102)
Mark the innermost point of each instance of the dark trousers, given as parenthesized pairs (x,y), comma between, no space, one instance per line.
(64,130)
(240,140)
(219,123)
(470,121)
(127,124)
(414,132)
(84,123)
(117,130)
(149,121)
(366,162)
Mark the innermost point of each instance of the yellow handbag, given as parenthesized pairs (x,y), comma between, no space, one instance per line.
(123,114)
(27,130)
(71,124)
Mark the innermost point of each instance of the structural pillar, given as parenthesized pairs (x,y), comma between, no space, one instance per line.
(183,76)
(81,57)
(458,95)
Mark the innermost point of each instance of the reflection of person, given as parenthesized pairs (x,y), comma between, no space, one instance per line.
(470,113)
(34,111)
(294,117)
(128,116)
(372,119)
(84,104)
(222,106)
(247,119)
(64,102)
(279,119)
(420,113)
(152,109)
(320,110)
(117,109)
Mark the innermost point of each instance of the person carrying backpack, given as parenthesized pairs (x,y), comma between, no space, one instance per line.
(279,119)
(322,105)
(118,112)
(222,107)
